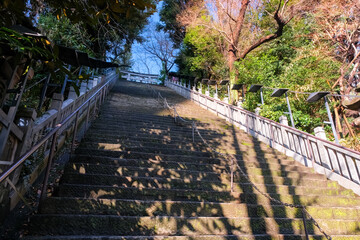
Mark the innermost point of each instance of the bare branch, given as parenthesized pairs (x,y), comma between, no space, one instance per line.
(281,23)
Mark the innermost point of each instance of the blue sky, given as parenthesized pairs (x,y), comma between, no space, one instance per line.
(142,62)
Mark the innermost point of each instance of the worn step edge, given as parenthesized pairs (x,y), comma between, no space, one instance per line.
(128,181)
(228,196)
(200,237)
(221,164)
(82,157)
(109,153)
(203,167)
(168,225)
(70,205)
(251,171)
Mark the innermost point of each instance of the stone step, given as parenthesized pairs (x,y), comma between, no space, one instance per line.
(171,126)
(147,137)
(110,152)
(123,130)
(284,165)
(172,142)
(217,165)
(98,138)
(118,143)
(49,224)
(180,173)
(247,147)
(133,207)
(114,124)
(224,185)
(179,157)
(199,237)
(201,176)
(117,146)
(109,112)
(173,129)
(256,178)
(99,191)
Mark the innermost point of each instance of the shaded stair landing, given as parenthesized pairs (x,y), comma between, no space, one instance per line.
(138,175)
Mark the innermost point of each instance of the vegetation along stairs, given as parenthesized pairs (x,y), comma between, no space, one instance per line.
(138,175)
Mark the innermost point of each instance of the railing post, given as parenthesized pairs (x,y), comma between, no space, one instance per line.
(320,133)
(193,132)
(257,122)
(72,94)
(48,167)
(284,121)
(83,87)
(56,104)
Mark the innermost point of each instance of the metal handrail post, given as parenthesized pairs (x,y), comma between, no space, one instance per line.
(289,108)
(331,120)
(261,96)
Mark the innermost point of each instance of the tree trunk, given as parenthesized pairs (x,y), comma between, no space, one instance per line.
(231,60)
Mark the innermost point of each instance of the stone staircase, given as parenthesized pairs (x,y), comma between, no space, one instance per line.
(138,175)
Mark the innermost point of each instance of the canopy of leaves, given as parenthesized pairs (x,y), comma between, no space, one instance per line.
(105,22)
(296,62)
(168,13)
(62,32)
(207,52)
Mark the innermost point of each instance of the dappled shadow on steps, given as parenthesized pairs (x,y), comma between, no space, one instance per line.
(137,173)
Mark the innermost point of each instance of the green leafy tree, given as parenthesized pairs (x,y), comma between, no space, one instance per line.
(168,22)
(206,59)
(62,32)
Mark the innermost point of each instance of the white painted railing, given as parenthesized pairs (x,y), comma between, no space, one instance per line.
(336,162)
(141,78)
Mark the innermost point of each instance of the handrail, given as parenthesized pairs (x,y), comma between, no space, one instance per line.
(276,123)
(269,120)
(13,167)
(304,212)
(266,119)
(141,77)
(139,74)
(335,161)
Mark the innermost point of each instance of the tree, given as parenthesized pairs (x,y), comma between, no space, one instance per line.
(338,22)
(81,11)
(62,32)
(105,21)
(170,9)
(159,45)
(243,25)
(204,52)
